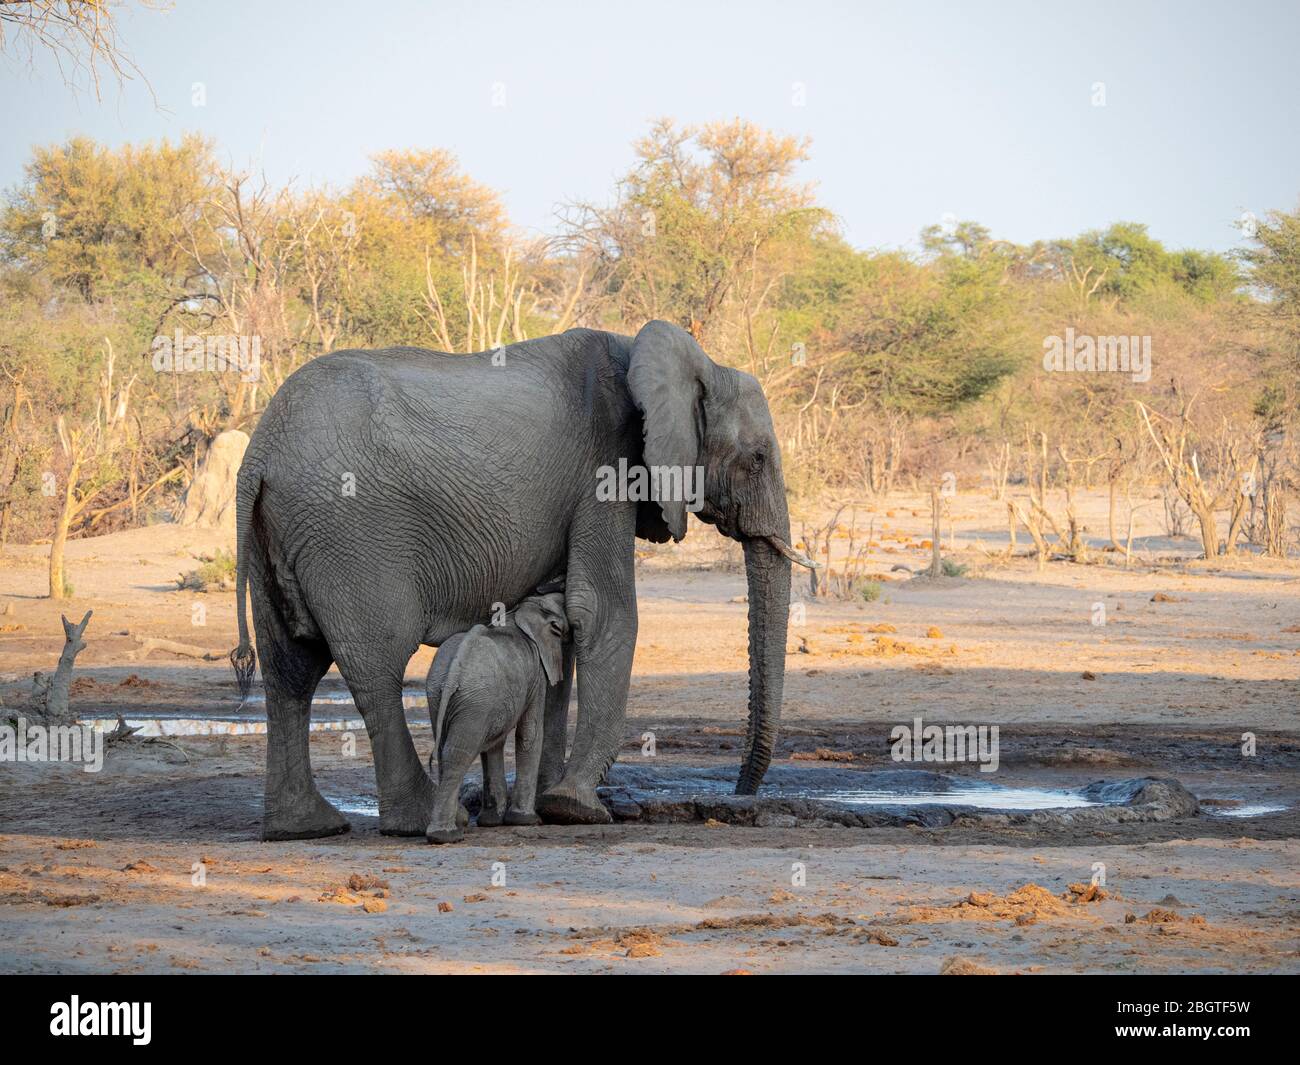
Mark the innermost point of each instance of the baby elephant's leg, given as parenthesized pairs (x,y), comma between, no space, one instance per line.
(493,806)
(444,826)
(528,759)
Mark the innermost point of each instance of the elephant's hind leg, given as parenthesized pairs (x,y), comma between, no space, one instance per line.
(374,675)
(493,805)
(291,669)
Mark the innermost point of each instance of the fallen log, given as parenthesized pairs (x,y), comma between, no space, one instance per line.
(151,643)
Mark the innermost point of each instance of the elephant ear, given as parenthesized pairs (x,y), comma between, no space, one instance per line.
(534,624)
(668,376)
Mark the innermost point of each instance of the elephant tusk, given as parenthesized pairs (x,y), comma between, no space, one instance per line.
(790,553)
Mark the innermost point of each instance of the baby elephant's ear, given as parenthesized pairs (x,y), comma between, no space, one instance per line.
(534,624)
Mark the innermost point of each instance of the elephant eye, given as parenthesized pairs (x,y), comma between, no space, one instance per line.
(760,457)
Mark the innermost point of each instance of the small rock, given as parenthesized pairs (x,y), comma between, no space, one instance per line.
(960,966)
(1085,893)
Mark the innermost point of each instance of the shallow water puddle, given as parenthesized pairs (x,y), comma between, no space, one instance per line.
(857,789)
(985,798)
(1246,809)
(981,796)
(207,726)
(357,805)
(411,698)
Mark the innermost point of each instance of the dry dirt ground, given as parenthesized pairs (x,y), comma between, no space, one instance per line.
(154,863)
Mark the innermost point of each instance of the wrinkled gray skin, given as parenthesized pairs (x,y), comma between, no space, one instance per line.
(482,685)
(390,498)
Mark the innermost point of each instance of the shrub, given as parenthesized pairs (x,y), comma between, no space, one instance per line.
(216,574)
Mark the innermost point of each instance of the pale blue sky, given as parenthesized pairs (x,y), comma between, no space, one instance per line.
(916,110)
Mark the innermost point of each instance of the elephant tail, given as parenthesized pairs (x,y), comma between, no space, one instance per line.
(243,659)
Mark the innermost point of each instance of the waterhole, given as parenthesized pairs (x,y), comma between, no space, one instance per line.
(855,789)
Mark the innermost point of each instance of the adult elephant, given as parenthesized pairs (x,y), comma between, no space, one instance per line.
(392,498)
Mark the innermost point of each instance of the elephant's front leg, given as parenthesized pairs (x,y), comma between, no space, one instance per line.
(600,599)
(555,728)
(528,757)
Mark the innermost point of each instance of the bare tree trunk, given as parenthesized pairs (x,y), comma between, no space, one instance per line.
(9,465)
(1275,522)
(58,582)
(1236,519)
(936,563)
(1114,492)
(1078,550)
(1032,521)
(1209,531)
(999,471)
(50,694)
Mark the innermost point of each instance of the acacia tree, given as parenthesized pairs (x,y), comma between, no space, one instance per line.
(703,229)
(1274,264)
(106,224)
(907,340)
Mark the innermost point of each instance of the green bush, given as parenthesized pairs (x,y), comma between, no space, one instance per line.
(217,574)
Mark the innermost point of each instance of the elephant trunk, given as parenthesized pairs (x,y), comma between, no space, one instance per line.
(767,571)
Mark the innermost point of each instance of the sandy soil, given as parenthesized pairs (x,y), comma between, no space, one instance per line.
(1192,656)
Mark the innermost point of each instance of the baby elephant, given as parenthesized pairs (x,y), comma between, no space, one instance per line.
(482,684)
